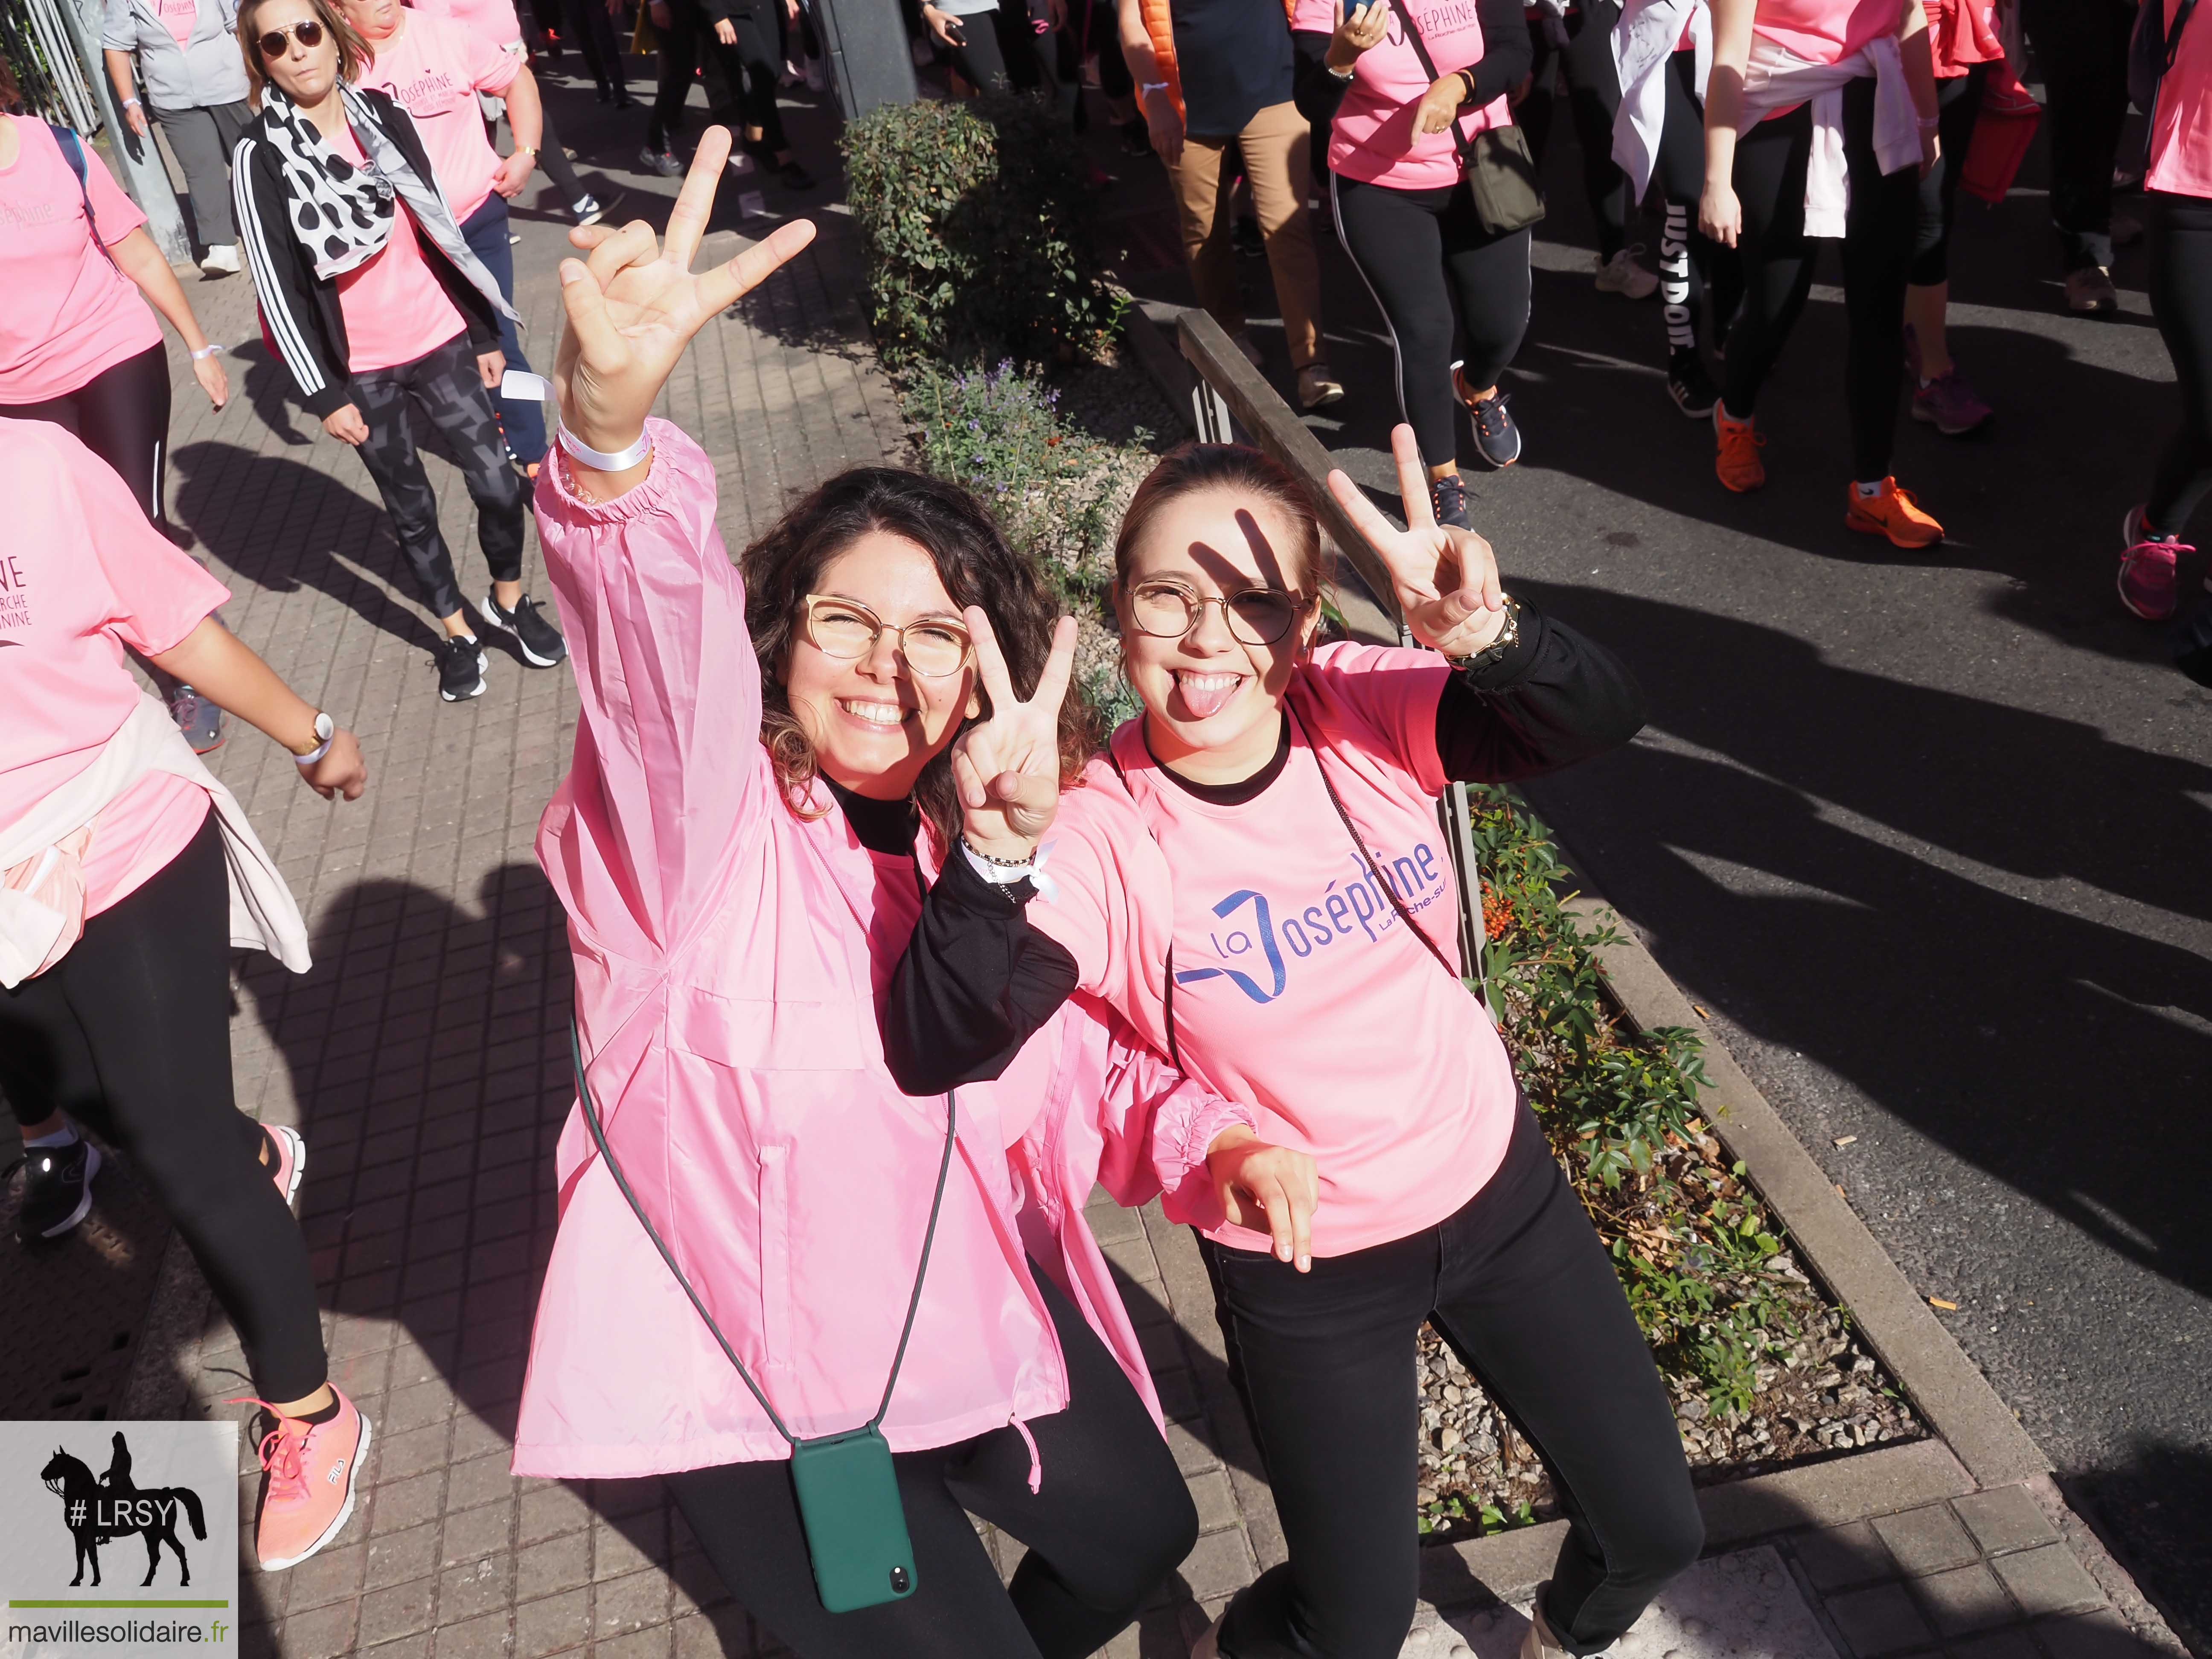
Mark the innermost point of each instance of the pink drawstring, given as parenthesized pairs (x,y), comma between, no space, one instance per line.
(1036,1462)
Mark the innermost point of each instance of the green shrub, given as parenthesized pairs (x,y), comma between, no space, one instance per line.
(977,232)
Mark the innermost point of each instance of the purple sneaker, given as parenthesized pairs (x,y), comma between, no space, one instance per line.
(1949,404)
(2148,569)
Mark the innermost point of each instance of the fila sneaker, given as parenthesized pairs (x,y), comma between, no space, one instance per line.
(312,1470)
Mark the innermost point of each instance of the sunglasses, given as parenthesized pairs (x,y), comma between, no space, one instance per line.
(278,42)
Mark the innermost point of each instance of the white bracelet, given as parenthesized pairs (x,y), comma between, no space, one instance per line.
(314,754)
(130,103)
(208,350)
(620,460)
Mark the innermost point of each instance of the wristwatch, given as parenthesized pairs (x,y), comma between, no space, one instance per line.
(325,728)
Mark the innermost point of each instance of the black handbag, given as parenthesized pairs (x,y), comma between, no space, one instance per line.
(1499,168)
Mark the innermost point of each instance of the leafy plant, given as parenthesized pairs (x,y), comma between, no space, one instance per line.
(978,240)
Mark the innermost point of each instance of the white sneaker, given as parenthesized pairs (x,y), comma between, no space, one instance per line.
(220,260)
(1622,275)
(586,210)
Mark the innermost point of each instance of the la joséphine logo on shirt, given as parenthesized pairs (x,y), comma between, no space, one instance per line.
(14,602)
(1258,939)
(434,92)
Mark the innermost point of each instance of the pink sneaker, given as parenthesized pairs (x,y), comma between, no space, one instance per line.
(288,1160)
(312,1470)
(2148,569)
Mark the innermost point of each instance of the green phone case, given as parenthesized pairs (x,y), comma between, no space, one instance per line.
(849,1502)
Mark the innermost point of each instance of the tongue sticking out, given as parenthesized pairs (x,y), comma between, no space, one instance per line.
(1207,697)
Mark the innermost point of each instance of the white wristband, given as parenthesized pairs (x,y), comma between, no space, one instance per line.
(314,755)
(620,460)
(208,350)
(130,103)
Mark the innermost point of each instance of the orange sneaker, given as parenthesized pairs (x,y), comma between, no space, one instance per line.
(311,1471)
(1738,465)
(1893,513)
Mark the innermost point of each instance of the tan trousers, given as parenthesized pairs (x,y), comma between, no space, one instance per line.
(1277,166)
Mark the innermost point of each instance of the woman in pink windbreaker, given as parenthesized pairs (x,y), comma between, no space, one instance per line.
(1253,875)
(762,788)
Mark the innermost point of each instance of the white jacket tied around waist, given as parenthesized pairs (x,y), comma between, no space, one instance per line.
(1644,43)
(263,915)
(1777,79)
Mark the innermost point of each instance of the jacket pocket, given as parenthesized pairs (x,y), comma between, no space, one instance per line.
(755,1034)
(776,1257)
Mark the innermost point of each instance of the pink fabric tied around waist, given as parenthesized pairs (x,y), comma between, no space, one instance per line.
(1036,1462)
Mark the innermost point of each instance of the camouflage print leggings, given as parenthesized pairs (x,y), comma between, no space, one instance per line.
(444,385)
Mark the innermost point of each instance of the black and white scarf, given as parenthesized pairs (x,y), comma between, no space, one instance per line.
(342,214)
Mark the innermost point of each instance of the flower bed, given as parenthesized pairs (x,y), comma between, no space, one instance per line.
(1762,1366)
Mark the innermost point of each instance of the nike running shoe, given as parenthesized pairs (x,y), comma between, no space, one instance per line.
(57,1189)
(1893,513)
(1949,404)
(1738,465)
(461,665)
(1447,499)
(1497,436)
(2149,568)
(541,643)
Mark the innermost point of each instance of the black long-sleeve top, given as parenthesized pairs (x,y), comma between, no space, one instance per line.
(1506,59)
(978,980)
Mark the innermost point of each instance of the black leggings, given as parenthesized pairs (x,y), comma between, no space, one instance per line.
(1593,100)
(130,1034)
(444,387)
(993,51)
(1519,1287)
(1958,105)
(1110,1521)
(1416,248)
(554,159)
(1778,258)
(122,414)
(1693,268)
(2180,247)
(752,67)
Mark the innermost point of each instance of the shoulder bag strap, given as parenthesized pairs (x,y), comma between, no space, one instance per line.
(1464,144)
(1167,993)
(1360,841)
(914,1302)
(72,149)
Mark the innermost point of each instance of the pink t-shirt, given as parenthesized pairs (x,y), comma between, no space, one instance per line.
(1825,31)
(2181,126)
(1372,139)
(433,71)
(1299,991)
(494,20)
(82,575)
(395,308)
(69,313)
(178,16)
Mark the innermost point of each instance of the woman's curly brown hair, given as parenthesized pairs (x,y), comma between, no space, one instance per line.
(977,567)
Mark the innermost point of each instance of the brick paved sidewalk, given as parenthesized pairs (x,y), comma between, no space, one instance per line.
(424,1058)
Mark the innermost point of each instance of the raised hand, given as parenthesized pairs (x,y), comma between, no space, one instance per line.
(633,303)
(1446,578)
(1008,767)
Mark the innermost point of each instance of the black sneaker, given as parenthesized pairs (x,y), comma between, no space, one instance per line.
(1691,387)
(460,668)
(1244,235)
(1448,497)
(57,1189)
(795,177)
(541,642)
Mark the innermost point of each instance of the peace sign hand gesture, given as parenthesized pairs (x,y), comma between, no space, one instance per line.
(633,305)
(1446,578)
(1006,768)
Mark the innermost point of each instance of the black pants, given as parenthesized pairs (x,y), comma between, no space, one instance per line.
(2180,247)
(1110,1521)
(1519,1287)
(1593,100)
(1958,105)
(554,159)
(122,414)
(753,66)
(593,34)
(444,388)
(522,420)
(1700,282)
(1778,259)
(994,51)
(1416,249)
(130,1034)
(688,47)
(2081,47)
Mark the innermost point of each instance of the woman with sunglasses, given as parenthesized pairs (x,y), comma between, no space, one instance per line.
(376,305)
(1253,877)
(764,782)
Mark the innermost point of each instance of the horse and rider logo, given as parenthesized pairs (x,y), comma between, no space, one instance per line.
(98,1511)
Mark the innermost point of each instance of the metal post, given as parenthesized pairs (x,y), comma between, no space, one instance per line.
(864,41)
(143,173)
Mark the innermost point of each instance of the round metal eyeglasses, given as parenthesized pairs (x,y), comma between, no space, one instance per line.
(1254,615)
(845,629)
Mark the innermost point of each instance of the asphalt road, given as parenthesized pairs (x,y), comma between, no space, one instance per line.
(1926,831)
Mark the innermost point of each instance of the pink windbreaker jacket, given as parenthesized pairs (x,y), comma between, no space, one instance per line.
(729,958)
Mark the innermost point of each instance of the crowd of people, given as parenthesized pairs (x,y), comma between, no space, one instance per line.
(868,996)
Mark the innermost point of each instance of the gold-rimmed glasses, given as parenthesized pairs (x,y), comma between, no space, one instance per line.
(933,646)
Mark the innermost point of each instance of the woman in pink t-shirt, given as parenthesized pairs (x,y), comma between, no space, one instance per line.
(2178,186)
(377,305)
(108,823)
(1404,87)
(78,344)
(1253,877)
